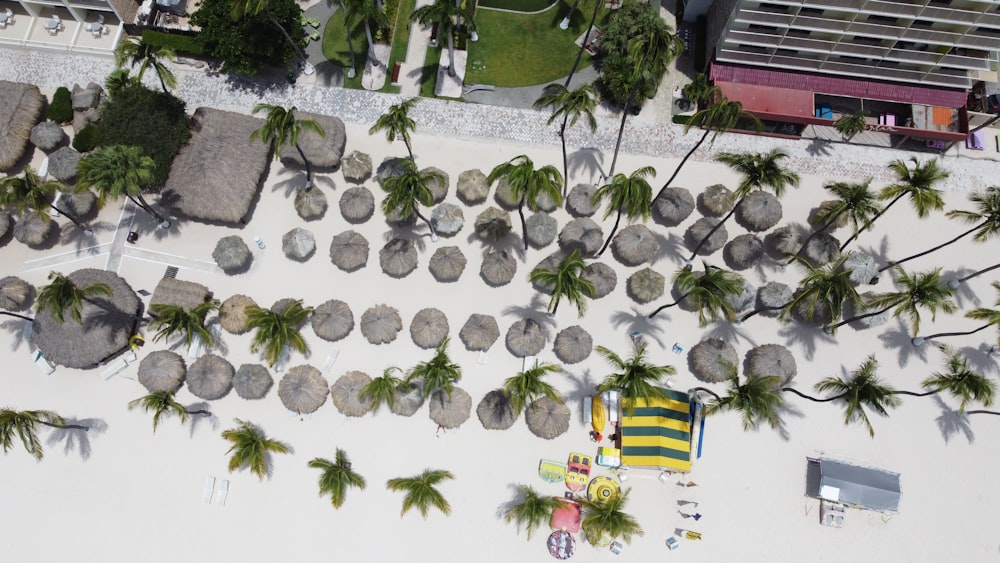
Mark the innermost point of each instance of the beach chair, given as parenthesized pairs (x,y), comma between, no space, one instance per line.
(483,358)
(552,471)
(331,358)
(26,331)
(616,547)
(206,495)
(220,499)
(42,362)
(194,350)
(672,543)
(114,368)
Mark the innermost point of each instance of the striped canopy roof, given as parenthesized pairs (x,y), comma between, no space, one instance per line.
(658,434)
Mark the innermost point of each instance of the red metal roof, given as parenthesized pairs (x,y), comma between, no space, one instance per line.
(768,99)
(839,86)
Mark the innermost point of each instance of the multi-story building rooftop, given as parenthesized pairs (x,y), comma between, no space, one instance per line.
(90,26)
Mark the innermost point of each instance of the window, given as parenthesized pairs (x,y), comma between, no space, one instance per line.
(786,53)
(923,24)
(762,28)
(777,8)
(798,33)
(811,11)
(884,20)
(862,40)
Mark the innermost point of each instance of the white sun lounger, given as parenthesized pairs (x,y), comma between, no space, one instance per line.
(331,358)
(206,496)
(483,357)
(43,363)
(26,332)
(220,499)
(114,368)
(194,350)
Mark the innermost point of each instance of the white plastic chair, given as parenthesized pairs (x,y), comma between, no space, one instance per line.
(220,499)
(206,496)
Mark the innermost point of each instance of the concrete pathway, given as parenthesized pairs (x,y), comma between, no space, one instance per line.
(416,51)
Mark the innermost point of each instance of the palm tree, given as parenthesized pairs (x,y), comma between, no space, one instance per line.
(634,377)
(169,320)
(252,448)
(959,380)
(584,42)
(447,15)
(437,374)
(531,510)
(571,105)
(282,128)
(528,385)
(396,122)
(757,398)
(421,491)
(985,220)
(337,477)
(276,330)
(115,171)
(528,184)
(382,389)
(406,192)
(253,7)
(989,316)
(30,193)
(351,72)
(718,117)
(566,280)
(631,195)
(709,291)
(851,125)
(824,290)
(606,519)
(24,426)
(162,403)
(921,290)
(371,14)
(862,389)
(759,171)
(61,294)
(856,201)
(135,51)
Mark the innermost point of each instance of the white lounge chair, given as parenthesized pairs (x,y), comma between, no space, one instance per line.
(114,368)
(206,496)
(484,357)
(220,499)
(42,362)
(331,358)
(26,332)
(194,350)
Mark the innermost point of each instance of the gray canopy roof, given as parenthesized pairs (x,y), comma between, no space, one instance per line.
(210,377)
(380,324)
(349,251)
(357,204)
(15,294)
(162,370)
(332,320)
(853,485)
(479,332)
(185,294)
(346,393)
(429,327)
(573,345)
(673,206)
(498,268)
(303,389)
(21,107)
(472,187)
(582,234)
(233,313)
(450,410)
(398,257)
(579,202)
(252,381)
(447,264)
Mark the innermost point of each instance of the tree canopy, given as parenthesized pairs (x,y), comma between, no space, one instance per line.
(249,42)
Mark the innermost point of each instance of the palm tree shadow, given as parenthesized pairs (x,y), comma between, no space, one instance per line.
(979,358)
(512,244)
(16,329)
(880,254)
(963,293)
(535,310)
(419,240)
(586,162)
(583,386)
(671,247)
(196,420)
(899,338)
(324,181)
(819,147)
(728,332)
(70,233)
(639,322)
(784,411)
(805,335)
(952,423)
(75,439)
(291,185)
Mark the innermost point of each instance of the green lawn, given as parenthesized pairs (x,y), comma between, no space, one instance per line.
(525,49)
(335,44)
(517,5)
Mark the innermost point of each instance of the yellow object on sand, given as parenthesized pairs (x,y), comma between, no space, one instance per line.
(602,489)
(599,414)
(692,535)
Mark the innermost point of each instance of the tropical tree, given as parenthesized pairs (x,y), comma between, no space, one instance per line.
(920,290)
(421,491)
(162,403)
(371,14)
(823,291)
(856,201)
(135,51)
(759,171)
(169,320)
(282,128)
(451,20)
(757,398)
(62,294)
(863,389)
(382,389)
(959,380)
(528,385)
(566,280)
(851,125)
(406,192)
(396,122)
(439,373)
(586,41)
(719,116)
(528,184)
(351,71)
(117,170)
(571,105)
(606,519)
(337,477)
(708,292)
(29,193)
(530,510)
(23,425)
(629,195)
(985,220)
(991,318)
(276,330)
(253,7)
(252,448)
(635,377)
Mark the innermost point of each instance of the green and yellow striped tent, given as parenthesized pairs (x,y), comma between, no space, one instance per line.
(658,434)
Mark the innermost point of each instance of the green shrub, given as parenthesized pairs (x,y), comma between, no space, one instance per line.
(87,139)
(61,108)
(179,44)
(681,119)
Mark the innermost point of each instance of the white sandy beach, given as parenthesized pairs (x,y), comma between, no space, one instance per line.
(127,493)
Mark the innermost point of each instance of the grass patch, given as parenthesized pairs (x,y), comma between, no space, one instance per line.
(335,45)
(517,5)
(525,49)
(428,72)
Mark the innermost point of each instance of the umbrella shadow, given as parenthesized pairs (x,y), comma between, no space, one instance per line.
(952,422)
(512,244)
(899,338)
(806,336)
(729,332)
(587,161)
(409,233)
(640,322)
(819,147)
(75,439)
(196,420)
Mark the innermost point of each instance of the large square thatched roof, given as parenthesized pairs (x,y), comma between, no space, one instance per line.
(216,175)
(20,109)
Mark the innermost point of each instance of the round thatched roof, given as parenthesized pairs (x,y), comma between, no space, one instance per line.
(398,257)
(439,189)
(356,166)
(852,310)
(498,268)
(573,345)
(5,221)
(699,230)
(646,285)
(447,219)
(233,313)
(581,234)
(479,332)
(15,294)
(303,390)
(579,202)
(450,410)
(429,328)
(210,377)
(407,399)
(825,209)
(759,211)
(542,229)
(77,204)
(472,187)
(495,412)
(310,203)
(493,224)
(298,244)
(47,136)
(822,249)
(717,200)
(349,251)
(772,296)
(743,252)
(107,323)
(635,245)
(346,392)
(35,231)
(357,204)
(744,299)
(602,276)
(21,109)
(447,264)
(711,360)
(551,263)
(252,381)
(782,242)
(322,151)
(232,255)
(62,164)
(673,206)
(772,359)
(380,324)
(526,337)
(504,195)
(862,266)
(547,418)
(162,370)
(332,320)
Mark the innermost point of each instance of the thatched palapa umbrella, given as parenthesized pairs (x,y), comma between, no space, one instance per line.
(357,167)
(233,313)
(322,151)
(498,268)
(47,136)
(772,296)
(34,231)
(581,234)
(472,187)
(310,203)
(493,224)
(447,219)
(824,209)
(181,293)
(232,254)
(252,381)
(77,204)
(873,321)
(744,299)
(573,345)
(438,188)
(162,370)
(346,393)
(773,359)
(525,338)
(495,412)
(298,244)
(5,222)
(450,410)
(15,294)
(822,249)
(547,418)
(743,252)
(580,202)
(479,332)
(602,276)
(712,359)
(673,206)
(349,251)
(357,204)
(862,266)
(759,211)
(303,389)
(380,324)
(407,399)
(635,245)
(550,262)
(699,230)
(645,286)
(504,195)
(447,264)
(542,229)
(429,328)
(717,200)
(398,257)
(210,377)
(332,320)
(782,242)
(21,109)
